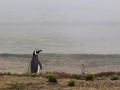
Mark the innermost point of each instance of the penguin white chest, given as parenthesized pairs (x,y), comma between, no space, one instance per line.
(38,70)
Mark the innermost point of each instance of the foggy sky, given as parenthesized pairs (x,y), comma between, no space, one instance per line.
(85,20)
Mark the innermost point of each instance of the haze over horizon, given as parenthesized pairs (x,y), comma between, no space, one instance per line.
(67,26)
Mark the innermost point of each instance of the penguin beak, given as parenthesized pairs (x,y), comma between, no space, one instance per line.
(39,50)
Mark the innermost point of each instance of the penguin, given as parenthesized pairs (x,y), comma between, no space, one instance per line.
(35,65)
(83,71)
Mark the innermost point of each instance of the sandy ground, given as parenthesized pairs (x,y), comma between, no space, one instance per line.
(59,66)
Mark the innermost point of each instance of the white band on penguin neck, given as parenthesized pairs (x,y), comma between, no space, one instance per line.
(36,53)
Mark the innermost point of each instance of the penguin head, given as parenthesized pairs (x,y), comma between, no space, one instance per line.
(36,52)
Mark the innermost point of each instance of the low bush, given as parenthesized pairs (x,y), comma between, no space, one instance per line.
(89,77)
(52,77)
(26,73)
(114,77)
(71,83)
(33,75)
(8,73)
(16,74)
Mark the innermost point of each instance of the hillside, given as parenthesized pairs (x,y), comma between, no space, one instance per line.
(68,66)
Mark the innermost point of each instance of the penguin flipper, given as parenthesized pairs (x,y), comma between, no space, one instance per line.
(40,65)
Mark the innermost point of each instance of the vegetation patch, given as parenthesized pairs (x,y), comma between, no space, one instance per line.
(8,73)
(52,77)
(114,77)
(22,82)
(89,77)
(18,86)
(33,75)
(106,74)
(71,82)
(16,74)
(26,73)
(67,75)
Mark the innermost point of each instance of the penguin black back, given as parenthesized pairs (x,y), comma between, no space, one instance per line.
(35,64)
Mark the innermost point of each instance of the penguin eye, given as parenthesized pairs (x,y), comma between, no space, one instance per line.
(36,52)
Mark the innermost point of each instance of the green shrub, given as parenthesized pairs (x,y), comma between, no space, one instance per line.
(33,75)
(16,74)
(114,77)
(52,77)
(71,83)
(26,73)
(89,77)
(8,73)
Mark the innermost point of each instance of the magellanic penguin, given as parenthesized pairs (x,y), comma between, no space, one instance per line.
(35,64)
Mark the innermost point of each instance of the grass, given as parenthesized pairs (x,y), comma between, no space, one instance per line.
(10,82)
(62,75)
